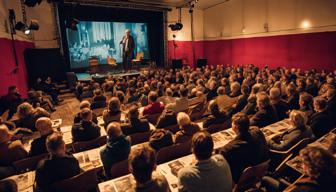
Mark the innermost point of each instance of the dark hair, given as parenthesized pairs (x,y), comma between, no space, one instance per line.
(152,96)
(85,113)
(183,91)
(242,122)
(133,111)
(54,141)
(8,185)
(202,145)
(142,161)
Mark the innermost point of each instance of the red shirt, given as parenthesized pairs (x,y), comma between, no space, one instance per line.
(153,108)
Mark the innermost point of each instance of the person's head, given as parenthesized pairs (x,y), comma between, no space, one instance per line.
(183,119)
(44,125)
(127,32)
(290,89)
(263,100)
(245,90)
(85,104)
(114,130)
(133,112)
(183,92)
(25,109)
(214,108)
(114,104)
(86,114)
(202,145)
(8,185)
(256,88)
(5,134)
(240,123)
(97,92)
(12,90)
(152,97)
(318,163)
(221,90)
(297,118)
(169,92)
(320,104)
(275,94)
(141,163)
(331,92)
(235,87)
(305,99)
(55,144)
(120,96)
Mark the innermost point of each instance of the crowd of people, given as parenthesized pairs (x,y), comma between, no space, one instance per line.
(249,97)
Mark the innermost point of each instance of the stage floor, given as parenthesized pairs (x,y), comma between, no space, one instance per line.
(89,77)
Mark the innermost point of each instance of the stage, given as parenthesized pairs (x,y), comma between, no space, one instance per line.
(85,77)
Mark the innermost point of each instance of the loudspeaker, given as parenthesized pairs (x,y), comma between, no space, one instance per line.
(201,63)
(177,63)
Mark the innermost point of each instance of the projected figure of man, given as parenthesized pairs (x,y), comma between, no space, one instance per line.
(128,46)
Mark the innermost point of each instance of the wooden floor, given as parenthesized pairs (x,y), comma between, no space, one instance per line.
(67,109)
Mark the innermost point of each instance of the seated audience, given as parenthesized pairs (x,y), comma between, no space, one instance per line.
(154,107)
(142,165)
(116,149)
(311,87)
(28,115)
(11,150)
(113,111)
(241,100)
(281,107)
(216,116)
(298,131)
(160,138)
(235,90)
(181,104)
(266,114)
(168,98)
(292,97)
(247,149)
(8,185)
(212,92)
(85,130)
(82,105)
(306,104)
(207,172)
(187,128)
(331,105)
(57,167)
(44,127)
(320,122)
(136,124)
(251,105)
(98,96)
(223,100)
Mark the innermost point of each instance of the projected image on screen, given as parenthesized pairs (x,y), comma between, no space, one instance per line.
(99,42)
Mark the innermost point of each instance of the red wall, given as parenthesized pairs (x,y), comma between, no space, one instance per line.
(7,65)
(307,51)
(184,51)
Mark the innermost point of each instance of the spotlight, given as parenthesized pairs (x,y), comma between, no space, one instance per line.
(32,3)
(34,25)
(26,31)
(72,24)
(20,26)
(176,26)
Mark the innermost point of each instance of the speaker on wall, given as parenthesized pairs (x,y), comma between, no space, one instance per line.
(201,63)
(177,63)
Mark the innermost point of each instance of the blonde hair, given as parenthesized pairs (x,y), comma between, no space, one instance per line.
(183,119)
(43,125)
(4,133)
(24,109)
(298,118)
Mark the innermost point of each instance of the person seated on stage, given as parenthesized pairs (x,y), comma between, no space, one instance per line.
(306,104)
(44,127)
(187,128)
(98,96)
(28,115)
(266,114)
(142,165)
(116,149)
(292,97)
(154,107)
(85,130)
(206,171)
(281,107)
(320,122)
(247,149)
(113,111)
(82,105)
(298,131)
(11,150)
(181,103)
(168,98)
(58,166)
(216,117)
(8,185)
(136,124)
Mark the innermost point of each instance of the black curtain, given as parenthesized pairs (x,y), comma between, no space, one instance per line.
(154,20)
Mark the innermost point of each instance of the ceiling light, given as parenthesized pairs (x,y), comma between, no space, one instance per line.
(305,24)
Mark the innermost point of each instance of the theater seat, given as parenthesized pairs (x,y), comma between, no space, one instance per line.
(137,138)
(119,169)
(86,145)
(173,152)
(28,164)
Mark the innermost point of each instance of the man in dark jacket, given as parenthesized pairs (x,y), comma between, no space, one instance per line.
(58,166)
(266,114)
(135,125)
(331,105)
(280,106)
(85,130)
(320,122)
(38,146)
(248,148)
(117,147)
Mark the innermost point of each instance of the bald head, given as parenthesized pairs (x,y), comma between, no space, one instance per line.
(5,135)
(44,125)
(114,130)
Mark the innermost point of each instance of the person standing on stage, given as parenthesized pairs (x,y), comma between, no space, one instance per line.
(128,49)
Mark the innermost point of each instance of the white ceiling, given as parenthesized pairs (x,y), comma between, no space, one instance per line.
(201,4)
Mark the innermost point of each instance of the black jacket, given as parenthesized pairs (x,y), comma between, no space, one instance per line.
(293,102)
(245,150)
(85,131)
(78,118)
(135,126)
(281,108)
(321,123)
(264,117)
(53,169)
(38,146)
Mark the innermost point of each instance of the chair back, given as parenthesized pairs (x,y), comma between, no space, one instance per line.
(218,127)
(153,118)
(84,182)
(86,145)
(119,169)
(173,152)
(28,164)
(137,138)
(251,176)
(172,128)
